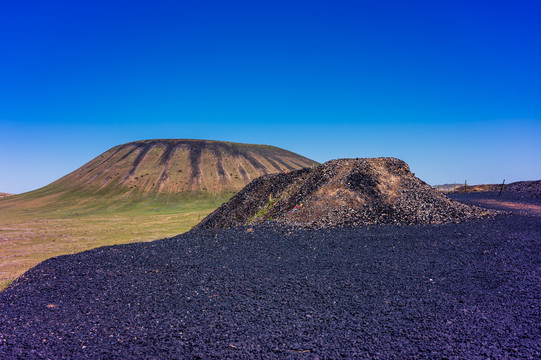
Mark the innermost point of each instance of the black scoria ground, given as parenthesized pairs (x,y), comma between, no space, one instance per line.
(454,291)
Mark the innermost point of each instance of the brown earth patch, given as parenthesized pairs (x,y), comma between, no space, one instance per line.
(531,209)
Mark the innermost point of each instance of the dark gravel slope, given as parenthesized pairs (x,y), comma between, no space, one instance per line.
(455,291)
(531,188)
(343,192)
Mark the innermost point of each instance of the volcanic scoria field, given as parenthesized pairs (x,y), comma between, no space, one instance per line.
(373,265)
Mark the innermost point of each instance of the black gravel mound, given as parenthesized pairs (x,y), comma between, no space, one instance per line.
(528,188)
(345,192)
(453,291)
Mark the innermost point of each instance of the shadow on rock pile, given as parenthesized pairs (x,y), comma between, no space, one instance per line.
(344,192)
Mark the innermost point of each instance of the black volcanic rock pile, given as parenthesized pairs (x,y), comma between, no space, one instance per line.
(528,188)
(345,192)
(451,291)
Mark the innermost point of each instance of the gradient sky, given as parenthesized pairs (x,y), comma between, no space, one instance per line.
(451,87)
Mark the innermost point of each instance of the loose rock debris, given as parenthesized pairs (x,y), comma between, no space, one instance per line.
(448,291)
(345,192)
(526,188)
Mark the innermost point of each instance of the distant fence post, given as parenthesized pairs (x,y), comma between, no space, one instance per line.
(501,188)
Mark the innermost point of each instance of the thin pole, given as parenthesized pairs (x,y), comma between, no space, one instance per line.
(465,186)
(501,189)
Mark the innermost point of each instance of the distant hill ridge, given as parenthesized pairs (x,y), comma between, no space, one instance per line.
(165,169)
(181,165)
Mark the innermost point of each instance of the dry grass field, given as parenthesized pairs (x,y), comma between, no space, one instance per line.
(139,191)
(30,234)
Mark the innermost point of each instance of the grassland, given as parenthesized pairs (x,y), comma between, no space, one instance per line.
(34,227)
(140,191)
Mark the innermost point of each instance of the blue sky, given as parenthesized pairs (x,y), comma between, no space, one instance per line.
(452,88)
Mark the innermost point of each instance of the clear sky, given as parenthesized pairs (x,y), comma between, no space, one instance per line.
(451,87)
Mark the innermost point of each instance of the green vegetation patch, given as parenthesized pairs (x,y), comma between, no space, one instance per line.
(33,230)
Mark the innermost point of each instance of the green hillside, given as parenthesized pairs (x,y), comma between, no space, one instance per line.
(139,191)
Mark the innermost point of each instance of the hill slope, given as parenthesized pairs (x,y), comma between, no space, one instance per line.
(174,168)
(139,191)
(341,193)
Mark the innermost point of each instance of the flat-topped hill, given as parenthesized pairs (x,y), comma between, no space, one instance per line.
(181,165)
(341,193)
(164,169)
(139,191)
